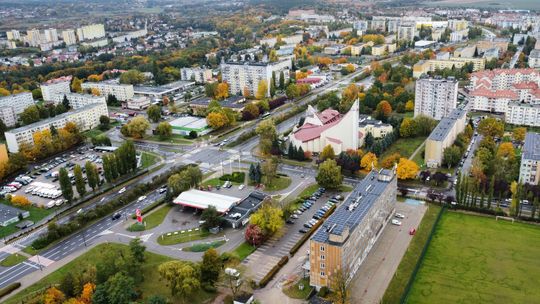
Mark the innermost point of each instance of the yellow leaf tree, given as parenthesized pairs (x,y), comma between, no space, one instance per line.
(506,150)
(95,91)
(19,200)
(216,120)
(87,293)
(222,91)
(389,161)
(407,169)
(327,153)
(519,134)
(262,89)
(269,218)
(53,296)
(4,92)
(368,161)
(409,106)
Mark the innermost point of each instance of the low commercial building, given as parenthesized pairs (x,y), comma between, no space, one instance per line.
(443,136)
(77,101)
(138,103)
(12,106)
(86,118)
(187,124)
(465,52)
(347,236)
(57,86)
(424,44)
(529,171)
(122,92)
(10,214)
(484,45)
(159,92)
(239,215)
(203,199)
(235,103)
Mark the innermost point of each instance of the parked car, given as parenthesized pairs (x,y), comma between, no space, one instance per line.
(290,221)
(303,230)
(122,190)
(116,216)
(141,198)
(399,215)
(396,222)
(294,216)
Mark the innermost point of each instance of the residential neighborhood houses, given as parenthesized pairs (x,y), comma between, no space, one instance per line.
(241,152)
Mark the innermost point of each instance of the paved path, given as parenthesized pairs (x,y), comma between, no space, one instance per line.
(417,150)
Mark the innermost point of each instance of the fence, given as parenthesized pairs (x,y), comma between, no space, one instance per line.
(421,258)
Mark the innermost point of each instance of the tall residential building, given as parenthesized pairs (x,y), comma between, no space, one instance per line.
(406,32)
(529,171)
(122,92)
(424,66)
(347,236)
(50,35)
(458,25)
(86,118)
(33,37)
(13,105)
(443,136)
(247,75)
(90,32)
(199,75)
(77,101)
(378,24)
(435,97)
(13,35)
(57,86)
(69,37)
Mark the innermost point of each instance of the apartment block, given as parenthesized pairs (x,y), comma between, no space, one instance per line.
(458,25)
(12,106)
(443,136)
(378,24)
(534,59)
(122,92)
(91,31)
(57,86)
(435,97)
(86,118)
(529,171)
(484,45)
(376,128)
(406,32)
(77,101)
(69,37)
(524,114)
(425,66)
(50,35)
(347,236)
(13,35)
(240,75)
(199,75)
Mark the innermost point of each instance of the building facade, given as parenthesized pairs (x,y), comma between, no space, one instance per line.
(529,171)
(91,31)
(69,37)
(53,87)
(122,92)
(443,136)
(77,101)
(435,97)
(425,66)
(347,236)
(86,118)
(375,127)
(199,75)
(12,106)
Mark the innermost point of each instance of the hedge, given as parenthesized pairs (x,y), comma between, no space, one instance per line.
(237,177)
(270,275)
(9,289)
(307,235)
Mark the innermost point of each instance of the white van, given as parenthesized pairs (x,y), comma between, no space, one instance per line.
(50,204)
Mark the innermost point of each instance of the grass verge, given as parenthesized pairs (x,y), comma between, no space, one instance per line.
(13,259)
(404,146)
(202,247)
(155,218)
(279,183)
(148,159)
(36,215)
(182,236)
(293,291)
(243,251)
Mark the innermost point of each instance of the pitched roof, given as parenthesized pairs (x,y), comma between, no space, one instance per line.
(483,92)
(328,115)
(308,131)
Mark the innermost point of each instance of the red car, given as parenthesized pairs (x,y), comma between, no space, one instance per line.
(412,231)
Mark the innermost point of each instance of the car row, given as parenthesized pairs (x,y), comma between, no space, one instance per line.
(318,216)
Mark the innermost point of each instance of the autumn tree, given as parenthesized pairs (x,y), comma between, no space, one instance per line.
(369,161)
(519,134)
(329,175)
(164,130)
(154,113)
(79,181)
(327,153)
(4,92)
(384,109)
(451,156)
(53,296)
(407,169)
(217,120)
(349,95)
(76,85)
(210,267)
(133,77)
(250,111)
(269,218)
(491,127)
(262,89)
(136,128)
(409,106)
(183,278)
(506,150)
(292,91)
(267,132)
(20,201)
(222,91)
(389,161)
(87,293)
(338,284)
(254,235)
(91,175)
(407,128)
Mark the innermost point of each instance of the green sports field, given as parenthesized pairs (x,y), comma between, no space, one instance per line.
(474,259)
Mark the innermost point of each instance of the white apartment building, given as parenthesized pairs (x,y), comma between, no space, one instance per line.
(33,37)
(13,35)
(368,125)
(53,87)
(240,75)
(86,118)
(91,31)
(406,32)
(122,92)
(457,25)
(198,74)
(13,105)
(534,59)
(443,136)
(69,37)
(529,171)
(525,114)
(77,101)
(435,97)
(50,35)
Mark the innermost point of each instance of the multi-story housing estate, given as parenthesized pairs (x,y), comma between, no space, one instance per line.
(122,92)
(13,35)
(377,128)
(465,52)
(406,32)
(378,24)
(484,45)
(50,35)
(425,66)
(248,75)
(198,74)
(347,236)
(534,59)
(529,170)
(77,101)
(443,136)
(435,97)
(86,118)
(69,37)
(57,86)
(457,24)
(91,31)
(13,105)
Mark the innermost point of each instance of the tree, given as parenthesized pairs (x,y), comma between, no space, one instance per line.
(267,134)
(91,175)
(329,175)
(451,156)
(132,77)
(211,218)
(136,128)
(407,169)
(4,92)
(182,277)
(327,153)
(210,267)
(384,109)
(120,289)
(104,122)
(254,235)
(250,111)
(101,140)
(369,161)
(292,91)
(20,201)
(154,113)
(255,173)
(222,91)
(76,85)
(519,134)
(65,184)
(217,120)
(349,95)
(30,115)
(389,161)
(262,89)
(269,218)
(269,171)
(408,128)
(79,181)
(87,293)
(338,284)
(65,102)
(156,299)
(137,250)
(506,150)
(53,296)
(409,106)
(178,183)
(164,130)
(281,80)
(491,127)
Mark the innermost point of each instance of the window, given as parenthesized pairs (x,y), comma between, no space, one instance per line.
(322,274)
(322,248)
(322,257)
(322,265)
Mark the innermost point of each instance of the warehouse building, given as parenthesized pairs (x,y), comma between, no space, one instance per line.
(10,214)
(187,124)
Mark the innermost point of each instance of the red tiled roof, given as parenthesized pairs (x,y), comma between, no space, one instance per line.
(309,132)
(334,140)
(491,74)
(328,115)
(526,85)
(494,94)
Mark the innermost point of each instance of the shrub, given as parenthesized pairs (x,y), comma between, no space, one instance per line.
(323,292)
(19,200)
(237,177)
(9,289)
(136,227)
(268,277)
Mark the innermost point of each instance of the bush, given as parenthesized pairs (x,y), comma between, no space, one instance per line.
(268,277)
(237,177)
(9,289)
(136,227)
(323,292)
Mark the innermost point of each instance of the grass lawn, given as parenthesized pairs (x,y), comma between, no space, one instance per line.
(36,214)
(292,291)
(280,183)
(174,139)
(403,146)
(295,162)
(182,236)
(13,259)
(243,251)
(152,285)
(148,159)
(419,157)
(474,259)
(93,133)
(408,262)
(345,188)
(202,247)
(309,190)
(155,218)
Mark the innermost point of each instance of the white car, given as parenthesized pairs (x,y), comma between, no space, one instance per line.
(241,187)
(122,190)
(142,198)
(399,215)
(396,222)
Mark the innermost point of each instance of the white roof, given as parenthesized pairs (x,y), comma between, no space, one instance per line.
(204,199)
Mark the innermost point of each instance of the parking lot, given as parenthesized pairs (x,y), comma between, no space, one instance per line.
(41,185)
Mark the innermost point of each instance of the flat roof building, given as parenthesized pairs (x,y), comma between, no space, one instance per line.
(10,214)
(347,236)
(122,92)
(12,106)
(204,199)
(235,103)
(166,89)
(57,86)
(187,124)
(443,136)
(435,97)
(77,101)
(529,170)
(239,215)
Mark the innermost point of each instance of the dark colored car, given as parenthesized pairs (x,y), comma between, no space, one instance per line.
(303,230)
(116,216)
